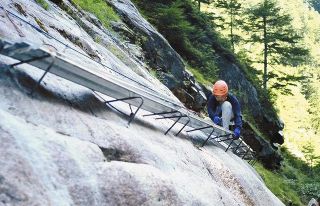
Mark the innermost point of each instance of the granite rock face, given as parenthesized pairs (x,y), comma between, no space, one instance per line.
(162,57)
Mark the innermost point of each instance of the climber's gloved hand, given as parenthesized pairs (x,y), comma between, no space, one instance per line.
(236,132)
(217,120)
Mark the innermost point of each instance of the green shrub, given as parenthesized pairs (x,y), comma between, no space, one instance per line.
(283,188)
(100,9)
(43,3)
(296,172)
(200,77)
(188,31)
(309,190)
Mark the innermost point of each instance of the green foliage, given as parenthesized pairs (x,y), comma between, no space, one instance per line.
(307,186)
(172,21)
(293,164)
(299,130)
(99,8)
(203,1)
(200,77)
(281,187)
(266,98)
(272,28)
(311,90)
(292,182)
(153,72)
(43,3)
(158,75)
(314,109)
(188,31)
(234,11)
(311,189)
(311,157)
(283,80)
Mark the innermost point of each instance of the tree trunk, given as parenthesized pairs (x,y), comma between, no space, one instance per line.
(199,4)
(231,28)
(265,52)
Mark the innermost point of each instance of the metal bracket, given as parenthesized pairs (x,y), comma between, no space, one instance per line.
(207,138)
(229,144)
(252,164)
(245,154)
(222,140)
(237,147)
(252,157)
(132,114)
(160,113)
(178,116)
(216,137)
(219,136)
(200,128)
(253,161)
(183,126)
(44,74)
(170,117)
(30,60)
(229,147)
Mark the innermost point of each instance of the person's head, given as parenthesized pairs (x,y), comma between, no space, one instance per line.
(220,90)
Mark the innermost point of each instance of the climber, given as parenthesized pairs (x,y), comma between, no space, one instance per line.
(224,108)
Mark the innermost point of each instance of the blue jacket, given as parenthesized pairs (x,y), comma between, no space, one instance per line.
(212,108)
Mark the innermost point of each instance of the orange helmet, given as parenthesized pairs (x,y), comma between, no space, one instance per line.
(220,88)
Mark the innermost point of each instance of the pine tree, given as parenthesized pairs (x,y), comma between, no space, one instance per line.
(269,26)
(203,1)
(310,156)
(233,9)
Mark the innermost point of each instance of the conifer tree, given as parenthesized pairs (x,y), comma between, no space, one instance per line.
(203,1)
(270,27)
(233,9)
(311,157)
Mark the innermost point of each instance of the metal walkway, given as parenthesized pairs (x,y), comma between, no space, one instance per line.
(109,84)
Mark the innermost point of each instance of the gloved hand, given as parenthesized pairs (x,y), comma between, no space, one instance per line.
(217,120)
(236,132)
